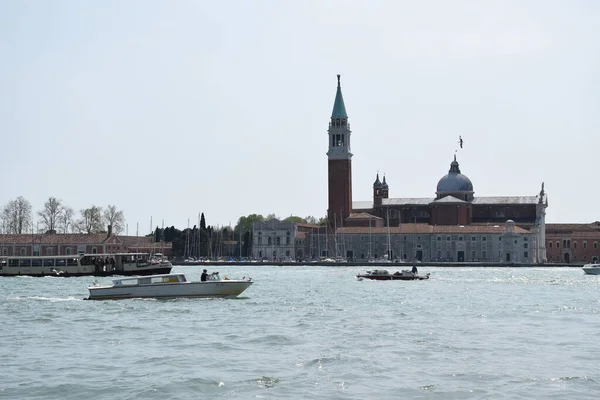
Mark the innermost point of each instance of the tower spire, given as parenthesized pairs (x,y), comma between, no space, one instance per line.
(339,108)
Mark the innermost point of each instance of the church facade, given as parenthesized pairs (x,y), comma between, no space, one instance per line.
(452,225)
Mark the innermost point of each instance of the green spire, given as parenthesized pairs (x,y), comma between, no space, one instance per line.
(339,109)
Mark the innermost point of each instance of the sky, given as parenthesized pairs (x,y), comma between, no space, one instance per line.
(167,109)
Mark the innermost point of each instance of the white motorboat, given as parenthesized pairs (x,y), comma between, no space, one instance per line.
(168,286)
(591,269)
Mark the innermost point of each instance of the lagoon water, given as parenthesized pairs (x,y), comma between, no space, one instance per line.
(309,333)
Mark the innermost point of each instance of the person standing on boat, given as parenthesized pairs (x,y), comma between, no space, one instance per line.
(415,270)
(204,276)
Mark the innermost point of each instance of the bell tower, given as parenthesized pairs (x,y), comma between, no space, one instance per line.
(339,163)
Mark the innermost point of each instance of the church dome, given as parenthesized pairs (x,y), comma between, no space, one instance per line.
(454,181)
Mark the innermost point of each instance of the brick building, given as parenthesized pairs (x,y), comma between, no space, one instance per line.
(573,243)
(51,244)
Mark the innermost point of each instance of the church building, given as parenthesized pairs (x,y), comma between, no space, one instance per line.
(451,225)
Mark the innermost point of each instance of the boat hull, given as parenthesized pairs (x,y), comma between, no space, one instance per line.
(592,271)
(227,288)
(393,277)
(66,272)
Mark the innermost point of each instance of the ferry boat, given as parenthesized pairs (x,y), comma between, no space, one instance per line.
(109,264)
(168,286)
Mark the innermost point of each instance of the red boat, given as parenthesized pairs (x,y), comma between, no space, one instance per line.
(384,275)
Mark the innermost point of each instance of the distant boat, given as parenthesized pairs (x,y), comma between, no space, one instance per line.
(591,269)
(384,275)
(168,286)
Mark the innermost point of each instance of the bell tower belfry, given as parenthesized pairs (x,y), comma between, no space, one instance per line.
(339,163)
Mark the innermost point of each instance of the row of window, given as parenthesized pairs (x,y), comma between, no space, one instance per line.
(567,244)
(42,262)
(288,241)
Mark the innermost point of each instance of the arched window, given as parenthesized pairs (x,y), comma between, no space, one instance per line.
(550,245)
(564,244)
(23,251)
(574,245)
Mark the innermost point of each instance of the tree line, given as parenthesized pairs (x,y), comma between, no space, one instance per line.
(213,242)
(17,217)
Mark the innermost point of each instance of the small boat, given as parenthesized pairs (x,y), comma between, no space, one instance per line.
(591,269)
(168,286)
(384,275)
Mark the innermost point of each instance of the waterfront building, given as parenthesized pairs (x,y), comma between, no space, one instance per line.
(52,244)
(573,243)
(279,240)
(453,225)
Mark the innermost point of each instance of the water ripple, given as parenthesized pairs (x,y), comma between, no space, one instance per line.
(309,332)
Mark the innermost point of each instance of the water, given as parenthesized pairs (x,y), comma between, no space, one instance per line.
(309,333)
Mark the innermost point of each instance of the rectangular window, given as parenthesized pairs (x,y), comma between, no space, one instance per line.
(595,245)
(524,245)
(23,251)
(526,255)
(49,262)
(584,245)
(48,251)
(484,238)
(473,238)
(484,254)
(68,251)
(474,254)
(4,251)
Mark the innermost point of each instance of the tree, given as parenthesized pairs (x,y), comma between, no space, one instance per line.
(322,221)
(271,217)
(91,220)
(202,222)
(50,214)
(114,218)
(65,220)
(16,216)
(294,219)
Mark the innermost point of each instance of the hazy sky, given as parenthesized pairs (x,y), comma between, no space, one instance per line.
(171,108)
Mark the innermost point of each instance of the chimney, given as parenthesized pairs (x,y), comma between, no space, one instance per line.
(109,230)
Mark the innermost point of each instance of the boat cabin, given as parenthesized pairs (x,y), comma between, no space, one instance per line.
(150,280)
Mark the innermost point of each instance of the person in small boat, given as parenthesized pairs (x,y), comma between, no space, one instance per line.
(204,276)
(415,270)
